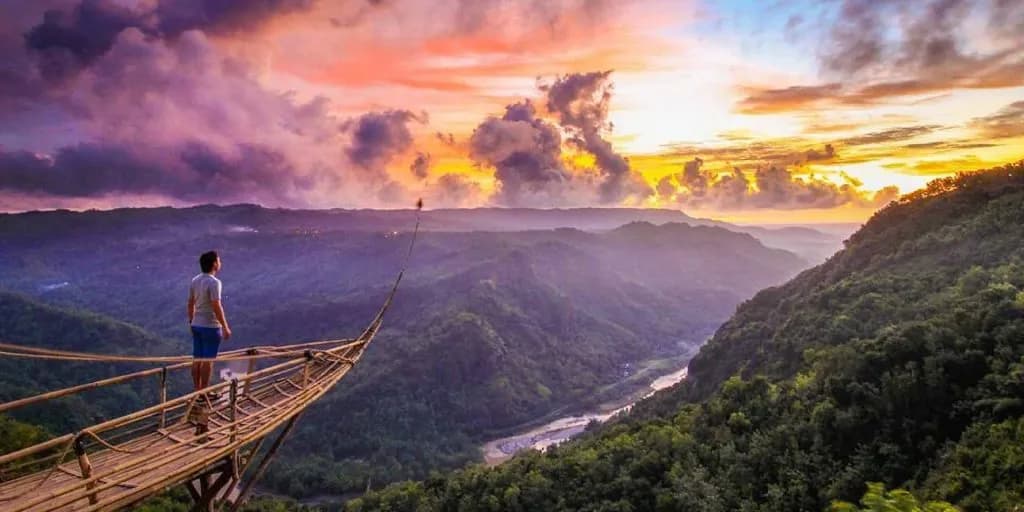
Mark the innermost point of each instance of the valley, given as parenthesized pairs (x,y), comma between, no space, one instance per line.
(492,330)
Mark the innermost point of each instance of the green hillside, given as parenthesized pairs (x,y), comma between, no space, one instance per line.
(27,322)
(900,360)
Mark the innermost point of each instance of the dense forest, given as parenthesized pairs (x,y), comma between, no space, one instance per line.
(491,330)
(28,322)
(898,361)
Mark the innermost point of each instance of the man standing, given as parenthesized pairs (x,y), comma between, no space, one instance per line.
(206,318)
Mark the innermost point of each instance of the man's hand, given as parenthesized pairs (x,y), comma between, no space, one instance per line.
(218,311)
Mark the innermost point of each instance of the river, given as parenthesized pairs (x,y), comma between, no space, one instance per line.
(563,429)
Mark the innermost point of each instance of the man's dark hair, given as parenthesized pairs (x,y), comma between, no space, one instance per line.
(207,260)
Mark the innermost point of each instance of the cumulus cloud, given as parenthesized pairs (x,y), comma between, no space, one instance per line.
(768,187)
(580,101)
(143,102)
(525,152)
(378,137)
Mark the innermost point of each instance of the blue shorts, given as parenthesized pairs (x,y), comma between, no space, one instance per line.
(205,342)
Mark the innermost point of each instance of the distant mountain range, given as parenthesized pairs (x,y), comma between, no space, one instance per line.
(813,244)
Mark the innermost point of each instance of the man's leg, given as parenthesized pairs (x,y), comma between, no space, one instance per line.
(207,373)
(196,365)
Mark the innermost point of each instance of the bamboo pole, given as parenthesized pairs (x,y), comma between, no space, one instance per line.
(262,467)
(86,468)
(163,396)
(14,404)
(234,409)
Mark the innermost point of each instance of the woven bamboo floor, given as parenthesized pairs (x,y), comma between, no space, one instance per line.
(134,457)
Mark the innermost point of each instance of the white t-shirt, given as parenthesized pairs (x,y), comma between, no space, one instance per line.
(204,290)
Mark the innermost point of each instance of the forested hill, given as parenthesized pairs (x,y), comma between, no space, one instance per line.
(900,361)
(901,266)
(26,322)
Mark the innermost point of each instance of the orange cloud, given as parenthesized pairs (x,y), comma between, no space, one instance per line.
(1007,122)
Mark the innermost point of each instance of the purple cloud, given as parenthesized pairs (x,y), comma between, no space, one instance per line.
(377,137)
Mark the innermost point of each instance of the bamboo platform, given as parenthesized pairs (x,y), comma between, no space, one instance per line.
(186,440)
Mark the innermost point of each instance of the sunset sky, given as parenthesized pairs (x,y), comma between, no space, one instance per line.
(773,111)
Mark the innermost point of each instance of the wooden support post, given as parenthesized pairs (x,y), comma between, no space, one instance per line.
(86,467)
(204,492)
(163,396)
(247,487)
(233,395)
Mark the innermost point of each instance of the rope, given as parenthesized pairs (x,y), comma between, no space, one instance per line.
(258,352)
(49,474)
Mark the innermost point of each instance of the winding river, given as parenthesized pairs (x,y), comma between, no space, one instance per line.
(563,429)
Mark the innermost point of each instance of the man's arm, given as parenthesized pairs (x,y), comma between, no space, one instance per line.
(191,307)
(218,310)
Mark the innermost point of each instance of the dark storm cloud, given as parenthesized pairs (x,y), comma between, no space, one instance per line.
(526,154)
(377,137)
(769,187)
(580,101)
(196,173)
(85,170)
(222,16)
(69,39)
(249,168)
